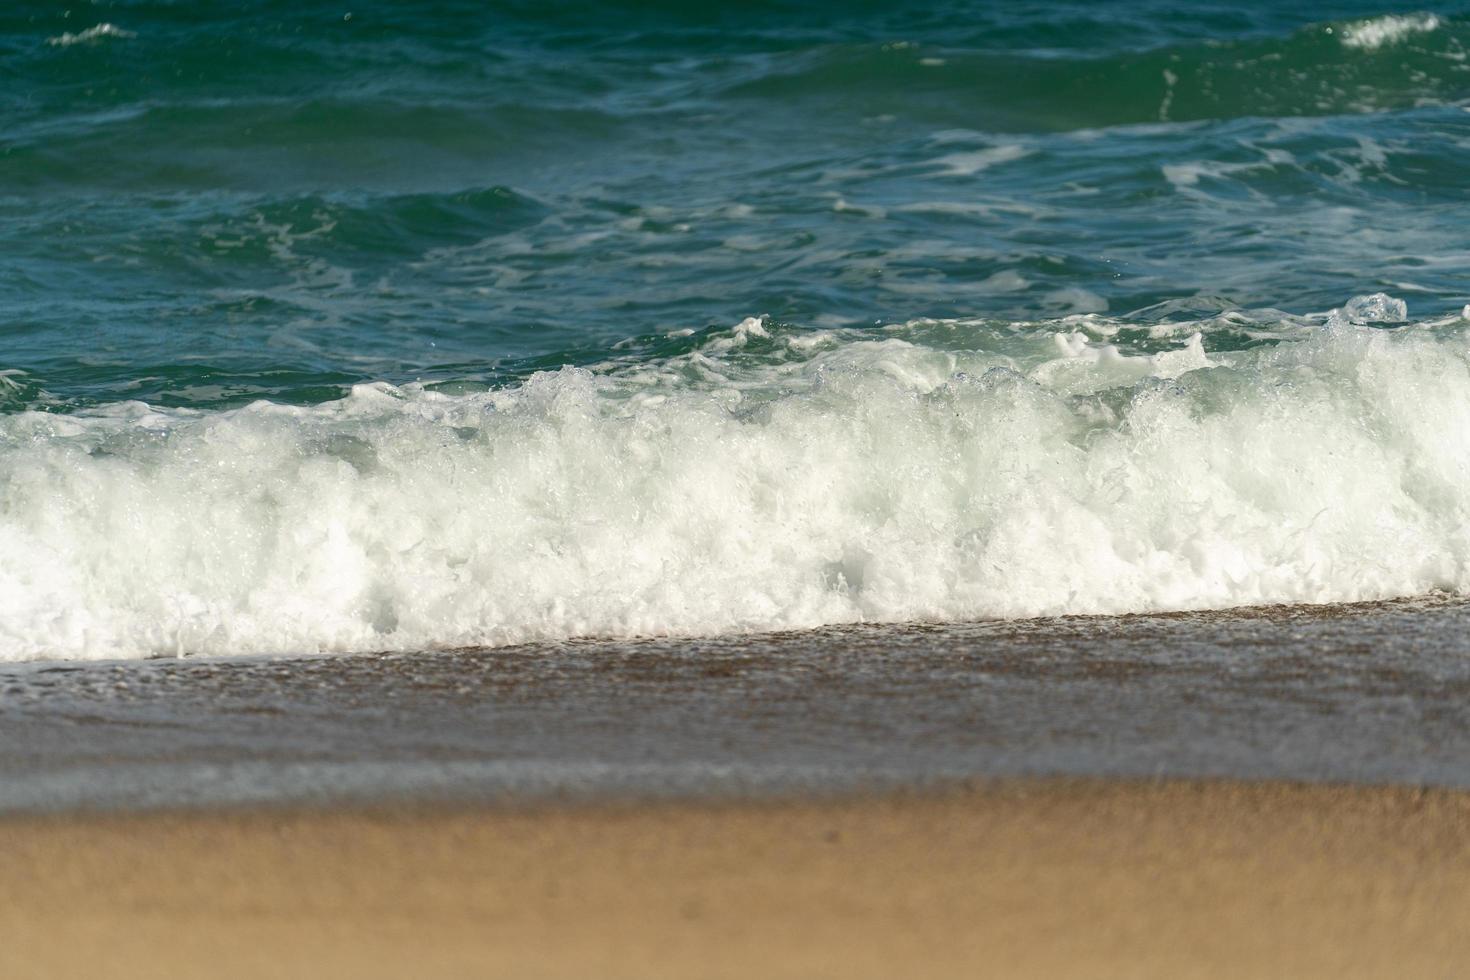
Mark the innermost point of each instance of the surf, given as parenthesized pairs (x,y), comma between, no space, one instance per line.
(757,478)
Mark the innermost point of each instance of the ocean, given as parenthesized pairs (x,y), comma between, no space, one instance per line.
(400,328)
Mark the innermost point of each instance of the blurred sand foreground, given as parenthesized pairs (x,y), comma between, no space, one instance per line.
(1023,877)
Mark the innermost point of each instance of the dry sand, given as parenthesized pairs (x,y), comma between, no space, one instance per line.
(1012,878)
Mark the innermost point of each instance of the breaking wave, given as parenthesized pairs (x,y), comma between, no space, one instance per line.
(760,478)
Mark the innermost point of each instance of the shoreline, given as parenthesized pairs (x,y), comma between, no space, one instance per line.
(1016,877)
(1288,611)
(1376,695)
(1228,794)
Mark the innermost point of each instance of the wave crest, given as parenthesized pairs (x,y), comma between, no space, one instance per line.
(1375,32)
(91,35)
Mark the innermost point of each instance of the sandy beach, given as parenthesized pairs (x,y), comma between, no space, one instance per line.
(734,490)
(1008,878)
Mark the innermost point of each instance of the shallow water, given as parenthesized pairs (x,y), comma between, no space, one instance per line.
(1373,693)
(332,330)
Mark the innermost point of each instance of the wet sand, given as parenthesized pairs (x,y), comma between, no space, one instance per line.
(1375,693)
(1016,878)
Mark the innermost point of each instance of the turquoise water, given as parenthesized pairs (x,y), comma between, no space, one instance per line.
(206,206)
(329,327)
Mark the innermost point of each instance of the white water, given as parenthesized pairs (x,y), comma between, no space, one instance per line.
(1375,32)
(89,36)
(767,479)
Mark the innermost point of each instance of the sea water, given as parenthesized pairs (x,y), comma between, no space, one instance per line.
(403,327)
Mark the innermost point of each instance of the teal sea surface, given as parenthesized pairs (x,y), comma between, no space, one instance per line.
(404,326)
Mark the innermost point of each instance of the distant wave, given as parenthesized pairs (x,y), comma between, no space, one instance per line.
(1336,67)
(758,479)
(1346,66)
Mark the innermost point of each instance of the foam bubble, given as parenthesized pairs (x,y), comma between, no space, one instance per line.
(1376,308)
(941,470)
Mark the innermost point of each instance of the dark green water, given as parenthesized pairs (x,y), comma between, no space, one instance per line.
(391,326)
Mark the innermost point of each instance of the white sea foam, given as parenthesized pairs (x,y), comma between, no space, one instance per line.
(938,470)
(972,162)
(1375,32)
(91,35)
